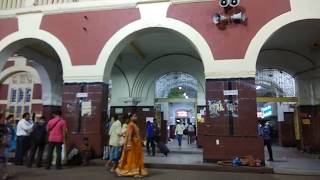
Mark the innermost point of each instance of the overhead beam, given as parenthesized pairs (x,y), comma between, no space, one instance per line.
(277,99)
(137,50)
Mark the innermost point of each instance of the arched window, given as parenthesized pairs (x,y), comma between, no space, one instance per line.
(176,85)
(275,83)
(20,93)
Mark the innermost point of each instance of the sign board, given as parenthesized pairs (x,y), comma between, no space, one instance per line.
(149,119)
(145,109)
(266,111)
(86,108)
(230,92)
(306,121)
(182,114)
(82,95)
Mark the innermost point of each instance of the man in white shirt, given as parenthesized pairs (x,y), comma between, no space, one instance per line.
(24,129)
(179,131)
(114,143)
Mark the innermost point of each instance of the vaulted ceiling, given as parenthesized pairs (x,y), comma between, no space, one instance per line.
(294,48)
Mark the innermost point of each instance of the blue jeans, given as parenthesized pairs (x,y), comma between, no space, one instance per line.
(179,137)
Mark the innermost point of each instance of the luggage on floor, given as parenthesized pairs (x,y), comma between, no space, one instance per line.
(163,148)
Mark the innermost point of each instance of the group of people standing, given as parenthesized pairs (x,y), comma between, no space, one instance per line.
(29,138)
(126,157)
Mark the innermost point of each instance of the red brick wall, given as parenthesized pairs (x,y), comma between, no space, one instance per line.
(244,140)
(8,64)
(233,42)
(92,126)
(4,91)
(84,46)
(8,26)
(37,91)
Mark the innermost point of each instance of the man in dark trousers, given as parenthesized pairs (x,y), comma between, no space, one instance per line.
(266,135)
(24,129)
(150,139)
(38,142)
(57,130)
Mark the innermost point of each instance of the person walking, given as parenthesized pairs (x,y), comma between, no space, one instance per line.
(24,129)
(57,130)
(266,135)
(191,130)
(10,137)
(114,143)
(179,132)
(7,145)
(38,142)
(150,138)
(132,159)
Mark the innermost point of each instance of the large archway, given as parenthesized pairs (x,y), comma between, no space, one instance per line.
(34,56)
(125,35)
(293,52)
(143,58)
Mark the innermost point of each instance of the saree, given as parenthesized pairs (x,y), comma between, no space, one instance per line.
(132,158)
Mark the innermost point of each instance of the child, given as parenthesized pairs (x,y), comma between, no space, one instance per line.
(85,151)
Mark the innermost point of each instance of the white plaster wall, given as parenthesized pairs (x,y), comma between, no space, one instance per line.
(308,90)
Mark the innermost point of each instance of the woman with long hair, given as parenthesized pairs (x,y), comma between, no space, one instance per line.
(132,158)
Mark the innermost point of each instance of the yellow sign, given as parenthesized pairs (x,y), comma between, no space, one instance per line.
(306,121)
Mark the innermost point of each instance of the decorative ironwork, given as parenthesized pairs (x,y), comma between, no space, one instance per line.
(176,84)
(275,83)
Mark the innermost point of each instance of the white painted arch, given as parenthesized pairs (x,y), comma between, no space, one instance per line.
(14,70)
(41,35)
(271,27)
(118,41)
(37,71)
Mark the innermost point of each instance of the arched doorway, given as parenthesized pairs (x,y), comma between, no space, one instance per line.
(37,57)
(287,73)
(148,73)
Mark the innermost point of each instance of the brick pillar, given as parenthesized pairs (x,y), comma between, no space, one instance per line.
(91,126)
(226,134)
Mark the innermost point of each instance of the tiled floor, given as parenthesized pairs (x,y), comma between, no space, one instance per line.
(186,154)
(292,161)
(287,160)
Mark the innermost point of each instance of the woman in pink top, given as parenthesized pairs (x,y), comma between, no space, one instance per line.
(57,129)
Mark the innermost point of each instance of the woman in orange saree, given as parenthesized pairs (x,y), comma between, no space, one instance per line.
(132,158)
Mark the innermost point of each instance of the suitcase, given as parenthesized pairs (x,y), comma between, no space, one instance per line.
(163,148)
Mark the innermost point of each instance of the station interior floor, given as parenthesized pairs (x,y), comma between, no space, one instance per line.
(286,160)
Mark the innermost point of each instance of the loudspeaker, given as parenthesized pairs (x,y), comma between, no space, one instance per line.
(234,3)
(239,17)
(217,19)
(224,3)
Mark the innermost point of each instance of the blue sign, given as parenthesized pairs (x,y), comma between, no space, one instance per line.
(266,111)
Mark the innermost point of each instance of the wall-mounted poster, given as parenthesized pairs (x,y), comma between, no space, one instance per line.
(86,108)
(232,107)
(215,108)
(149,119)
